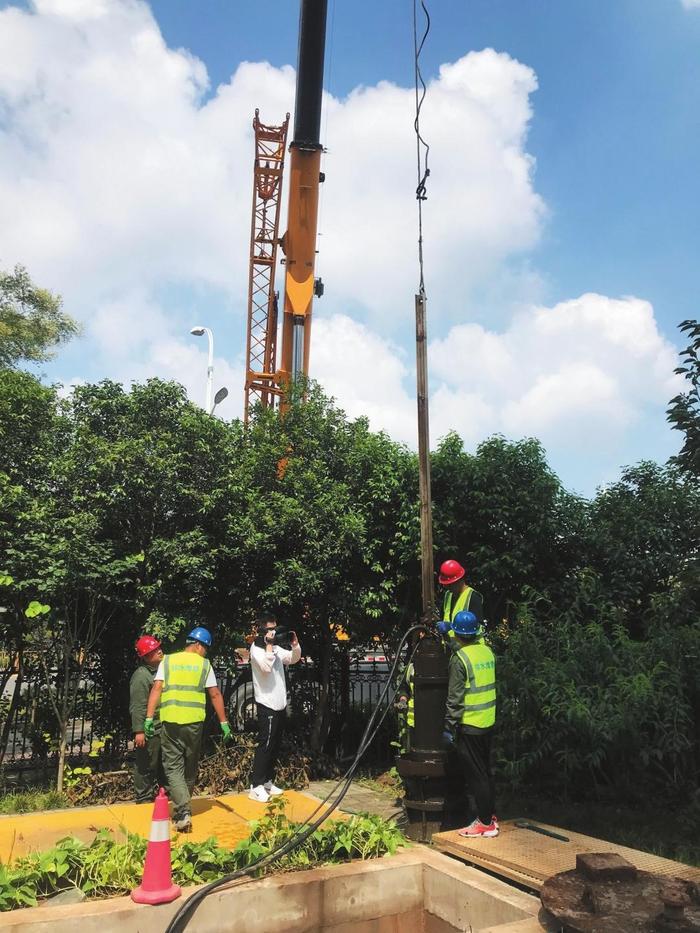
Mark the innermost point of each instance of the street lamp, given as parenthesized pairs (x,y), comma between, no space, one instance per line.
(199,332)
(219,397)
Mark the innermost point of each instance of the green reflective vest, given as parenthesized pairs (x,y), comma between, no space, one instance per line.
(448,615)
(411,714)
(480,686)
(184,698)
(462,602)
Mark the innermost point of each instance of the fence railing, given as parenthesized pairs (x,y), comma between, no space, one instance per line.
(354,689)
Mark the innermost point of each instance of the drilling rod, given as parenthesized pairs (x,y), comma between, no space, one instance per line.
(299,242)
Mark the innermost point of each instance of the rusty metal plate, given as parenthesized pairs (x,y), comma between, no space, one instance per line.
(529,858)
(607,894)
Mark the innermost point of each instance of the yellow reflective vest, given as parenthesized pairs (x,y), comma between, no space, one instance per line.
(462,602)
(184,697)
(448,613)
(480,685)
(411,714)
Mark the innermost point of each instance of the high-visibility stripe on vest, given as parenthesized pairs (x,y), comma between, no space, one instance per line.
(462,602)
(480,685)
(411,714)
(184,697)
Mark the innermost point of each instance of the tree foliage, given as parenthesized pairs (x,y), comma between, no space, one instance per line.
(684,410)
(32,320)
(133,511)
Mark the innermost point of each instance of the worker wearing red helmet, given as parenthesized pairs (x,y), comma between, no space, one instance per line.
(459,596)
(148,768)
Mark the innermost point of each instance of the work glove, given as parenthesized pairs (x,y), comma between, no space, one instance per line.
(448,740)
(443,627)
(226,731)
(401,705)
(149,728)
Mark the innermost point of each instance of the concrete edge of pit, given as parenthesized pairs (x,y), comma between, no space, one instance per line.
(321,898)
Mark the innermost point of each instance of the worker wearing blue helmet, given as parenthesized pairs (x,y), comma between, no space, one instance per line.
(180,687)
(470,717)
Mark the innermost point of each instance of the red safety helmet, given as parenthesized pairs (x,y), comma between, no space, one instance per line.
(146,644)
(450,572)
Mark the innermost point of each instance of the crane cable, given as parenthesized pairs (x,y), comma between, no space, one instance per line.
(305,829)
(422,147)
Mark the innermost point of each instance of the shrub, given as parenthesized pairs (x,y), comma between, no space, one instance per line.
(585,712)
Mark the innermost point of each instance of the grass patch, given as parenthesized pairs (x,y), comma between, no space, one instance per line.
(31,800)
(106,868)
(672,833)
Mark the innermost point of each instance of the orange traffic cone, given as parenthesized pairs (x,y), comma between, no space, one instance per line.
(157,886)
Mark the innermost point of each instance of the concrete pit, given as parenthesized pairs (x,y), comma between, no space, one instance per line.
(418,891)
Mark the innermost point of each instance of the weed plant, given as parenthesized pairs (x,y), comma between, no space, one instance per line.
(32,799)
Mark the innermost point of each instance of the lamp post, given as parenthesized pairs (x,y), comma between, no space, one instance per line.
(221,394)
(199,332)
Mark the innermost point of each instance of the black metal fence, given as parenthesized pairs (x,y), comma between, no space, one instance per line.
(354,689)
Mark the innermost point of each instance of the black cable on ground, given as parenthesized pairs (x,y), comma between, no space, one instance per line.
(306,828)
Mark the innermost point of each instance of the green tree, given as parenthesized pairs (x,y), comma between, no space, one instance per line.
(32,321)
(506,516)
(644,543)
(684,410)
(329,507)
(68,577)
(157,471)
(30,435)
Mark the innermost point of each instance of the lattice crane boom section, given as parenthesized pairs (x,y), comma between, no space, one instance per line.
(261,343)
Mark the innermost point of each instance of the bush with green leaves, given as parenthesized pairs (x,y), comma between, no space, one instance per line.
(587,712)
(106,868)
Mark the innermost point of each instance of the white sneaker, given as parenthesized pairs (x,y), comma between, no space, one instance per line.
(272,789)
(259,793)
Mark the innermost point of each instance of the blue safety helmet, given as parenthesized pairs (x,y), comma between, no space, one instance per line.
(201,635)
(465,623)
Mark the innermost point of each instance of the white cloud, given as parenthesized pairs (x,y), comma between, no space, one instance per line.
(691,4)
(124,178)
(366,373)
(580,375)
(117,172)
(583,369)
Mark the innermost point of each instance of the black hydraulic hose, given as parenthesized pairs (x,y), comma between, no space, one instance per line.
(306,828)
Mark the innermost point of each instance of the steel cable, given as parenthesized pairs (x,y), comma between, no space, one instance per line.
(421,158)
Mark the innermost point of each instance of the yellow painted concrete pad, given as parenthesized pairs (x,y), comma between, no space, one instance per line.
(226,818)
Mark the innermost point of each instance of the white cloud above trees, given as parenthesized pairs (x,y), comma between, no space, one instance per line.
(125,180)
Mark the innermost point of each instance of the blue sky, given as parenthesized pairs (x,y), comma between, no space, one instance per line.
(561,227)
(616,125)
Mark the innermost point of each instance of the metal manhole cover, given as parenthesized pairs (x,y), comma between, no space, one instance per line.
(606,894)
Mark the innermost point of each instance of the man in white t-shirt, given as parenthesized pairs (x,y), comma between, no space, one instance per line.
(267,662)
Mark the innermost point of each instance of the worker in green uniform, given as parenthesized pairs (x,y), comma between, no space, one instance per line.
(459,597)
(470,718)
(181,685)
(458,594)
(148,768)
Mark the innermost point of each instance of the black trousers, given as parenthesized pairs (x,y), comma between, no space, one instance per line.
(457,806)
(474,751)
(270,729)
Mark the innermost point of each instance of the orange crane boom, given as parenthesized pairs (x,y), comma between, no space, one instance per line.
(265,382)
(299,242)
